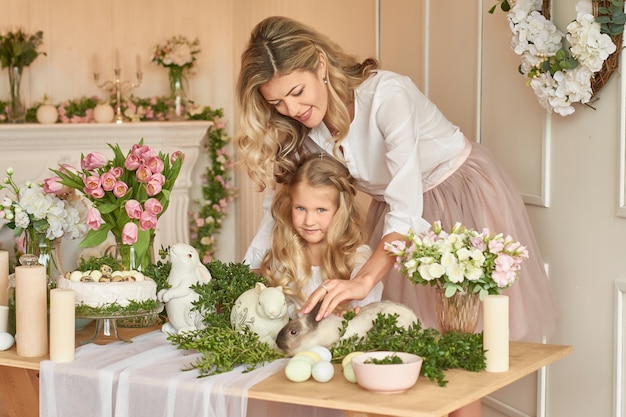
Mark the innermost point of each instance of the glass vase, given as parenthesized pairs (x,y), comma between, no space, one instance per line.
(16,110)
(459,313)
(132,257)
(178,97)
(46,252)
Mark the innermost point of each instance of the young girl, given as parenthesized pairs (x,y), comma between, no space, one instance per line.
(318,232)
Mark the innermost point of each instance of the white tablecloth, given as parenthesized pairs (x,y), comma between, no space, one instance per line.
(146,379)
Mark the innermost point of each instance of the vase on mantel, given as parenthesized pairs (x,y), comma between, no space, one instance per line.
(458,313)
(16,110)
(178,97)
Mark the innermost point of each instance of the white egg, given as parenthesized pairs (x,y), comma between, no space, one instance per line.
(323,371)
(323,352)
(6,341)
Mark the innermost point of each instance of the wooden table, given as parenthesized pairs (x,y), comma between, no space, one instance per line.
(425,399)
(19,382)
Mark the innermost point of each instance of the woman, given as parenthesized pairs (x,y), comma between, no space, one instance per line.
(299,92)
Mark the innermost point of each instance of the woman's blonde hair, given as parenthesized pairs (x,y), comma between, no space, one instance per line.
(269,141)
(285,264)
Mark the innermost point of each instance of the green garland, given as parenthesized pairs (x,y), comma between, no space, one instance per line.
(217,189)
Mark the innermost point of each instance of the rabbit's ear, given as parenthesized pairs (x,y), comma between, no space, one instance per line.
(311,316)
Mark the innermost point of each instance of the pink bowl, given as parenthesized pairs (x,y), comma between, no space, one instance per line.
(390,378)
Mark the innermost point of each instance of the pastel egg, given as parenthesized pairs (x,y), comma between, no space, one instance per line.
(316,356)
(298,371)
(348,357)
(348,373)
(323,371)
(6,340)
(305,358)
(323,352)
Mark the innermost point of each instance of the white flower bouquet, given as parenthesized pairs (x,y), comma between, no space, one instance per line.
(461,260)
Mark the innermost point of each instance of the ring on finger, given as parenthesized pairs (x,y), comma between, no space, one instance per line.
(326,288)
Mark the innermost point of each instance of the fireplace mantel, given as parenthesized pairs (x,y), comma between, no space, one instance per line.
(32,149)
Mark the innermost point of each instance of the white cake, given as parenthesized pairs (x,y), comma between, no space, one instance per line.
(98,294)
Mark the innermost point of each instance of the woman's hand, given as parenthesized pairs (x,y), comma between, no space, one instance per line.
(333,292)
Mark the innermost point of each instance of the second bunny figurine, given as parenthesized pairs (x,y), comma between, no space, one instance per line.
(263,310)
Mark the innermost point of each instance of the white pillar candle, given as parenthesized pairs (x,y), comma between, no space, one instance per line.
(496,332)
(31,324)
(4,278)
(4,319)
(62,324)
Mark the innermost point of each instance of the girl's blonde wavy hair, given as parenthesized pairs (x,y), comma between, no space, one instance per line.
(268,141)
(286,264)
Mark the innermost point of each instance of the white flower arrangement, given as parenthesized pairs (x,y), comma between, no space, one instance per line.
(461,260)
(559,75)
(178,51)
(34,207)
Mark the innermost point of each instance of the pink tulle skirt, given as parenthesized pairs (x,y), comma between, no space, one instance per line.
(480,195)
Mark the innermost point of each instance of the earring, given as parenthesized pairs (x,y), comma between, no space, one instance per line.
(325,80)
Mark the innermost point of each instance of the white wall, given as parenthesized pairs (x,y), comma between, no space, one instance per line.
(568,169)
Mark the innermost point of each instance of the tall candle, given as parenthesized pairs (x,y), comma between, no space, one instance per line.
(62,325)
(117,59)
(4,278)
(31,326)
(138,60)
(496,332)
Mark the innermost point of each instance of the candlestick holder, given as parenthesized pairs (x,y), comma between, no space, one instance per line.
(118,87)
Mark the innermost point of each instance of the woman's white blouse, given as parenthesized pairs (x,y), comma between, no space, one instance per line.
(399,146)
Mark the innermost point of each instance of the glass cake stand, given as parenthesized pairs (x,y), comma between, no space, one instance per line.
(106,324)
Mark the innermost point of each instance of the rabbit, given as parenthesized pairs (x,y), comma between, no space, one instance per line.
(186,271)
(305,332)
(263,310)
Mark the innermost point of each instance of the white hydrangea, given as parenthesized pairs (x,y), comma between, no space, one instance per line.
(590,47)
(535,38)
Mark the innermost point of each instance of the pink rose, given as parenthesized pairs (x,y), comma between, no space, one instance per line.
(92,182)
(93,160)
(133,209)
(155,164)
(53,186)
(108,181)
(154,206)
(143,152)
(148,221)
(153,188)
(120,189)
(96,193)
(94,218)
(129,233)
(117,171)
(132,162)
(176,155)
(143,173)
(67,169)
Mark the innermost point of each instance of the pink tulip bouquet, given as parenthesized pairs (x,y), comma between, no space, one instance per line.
(128,194)
(460,260)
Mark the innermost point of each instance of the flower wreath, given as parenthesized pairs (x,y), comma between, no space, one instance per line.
(560,75)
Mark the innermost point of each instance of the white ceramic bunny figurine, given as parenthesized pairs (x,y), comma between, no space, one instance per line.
(263,310)
(186,271)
